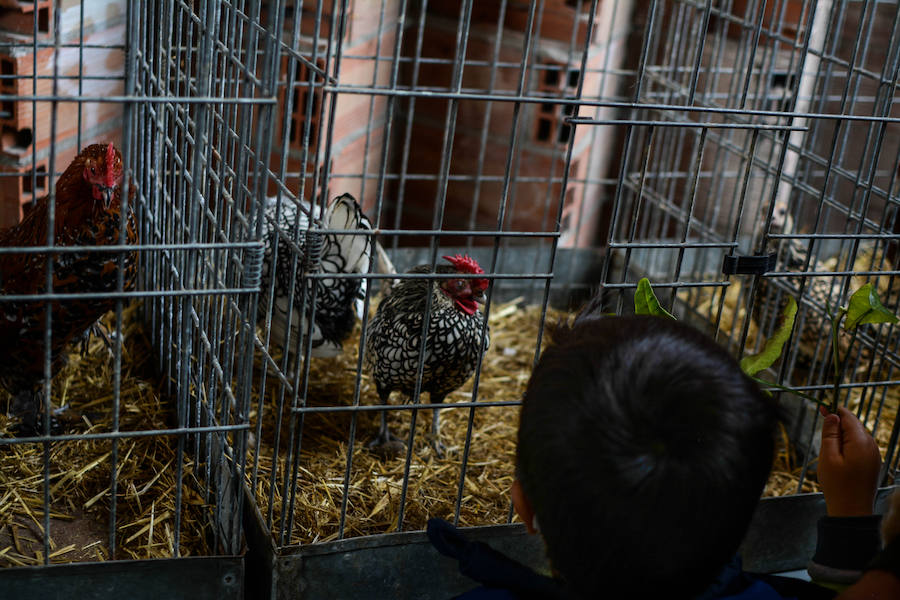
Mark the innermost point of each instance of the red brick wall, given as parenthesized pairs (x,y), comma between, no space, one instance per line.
(358,117)
(358,135)
(541,141)
(25,126)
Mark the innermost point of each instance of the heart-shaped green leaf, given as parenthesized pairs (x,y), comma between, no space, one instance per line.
(645,302)
(754,363)
(866,307)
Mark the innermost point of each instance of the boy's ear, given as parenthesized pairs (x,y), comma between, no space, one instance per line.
(523,507)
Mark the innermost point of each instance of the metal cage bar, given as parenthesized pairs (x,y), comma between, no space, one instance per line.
(571,147)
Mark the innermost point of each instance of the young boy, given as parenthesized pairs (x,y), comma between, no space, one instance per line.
(642,453)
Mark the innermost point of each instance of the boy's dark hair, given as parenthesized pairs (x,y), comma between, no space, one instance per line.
(643,450)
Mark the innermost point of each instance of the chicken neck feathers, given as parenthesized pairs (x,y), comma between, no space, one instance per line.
(453,340)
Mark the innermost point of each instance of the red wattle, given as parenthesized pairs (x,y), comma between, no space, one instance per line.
(467,305)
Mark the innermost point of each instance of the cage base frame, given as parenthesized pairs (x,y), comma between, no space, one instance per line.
(405,565)
(186,578)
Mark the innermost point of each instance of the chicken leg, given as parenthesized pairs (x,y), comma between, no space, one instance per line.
(385,444)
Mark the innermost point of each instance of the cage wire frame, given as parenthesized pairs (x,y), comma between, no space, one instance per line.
(394,92)
(55,98)
(720,116)
(795,87)
(209,78)
(184,107)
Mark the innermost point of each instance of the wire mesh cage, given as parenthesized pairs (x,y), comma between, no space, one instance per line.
(129,266)
(412,113)
(769,137)
(287,163)
(566,146)
(201,162)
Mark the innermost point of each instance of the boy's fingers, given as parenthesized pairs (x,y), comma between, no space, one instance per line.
(831,435)
(852,427)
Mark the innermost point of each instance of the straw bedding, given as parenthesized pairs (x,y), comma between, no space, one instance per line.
(375,484)
(80,471)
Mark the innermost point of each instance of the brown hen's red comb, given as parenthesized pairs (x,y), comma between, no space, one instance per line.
(465,264)
(110,165)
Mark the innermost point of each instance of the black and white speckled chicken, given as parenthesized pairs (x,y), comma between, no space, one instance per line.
(456,336)
(338,301)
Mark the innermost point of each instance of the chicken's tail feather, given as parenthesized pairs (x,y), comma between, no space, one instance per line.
(354,250)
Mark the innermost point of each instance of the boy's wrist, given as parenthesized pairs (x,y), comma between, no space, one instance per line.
(845,547)
(849,508)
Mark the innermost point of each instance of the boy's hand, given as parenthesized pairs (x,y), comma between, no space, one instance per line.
(849,463)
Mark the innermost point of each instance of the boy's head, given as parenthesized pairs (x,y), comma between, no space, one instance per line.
(643,450)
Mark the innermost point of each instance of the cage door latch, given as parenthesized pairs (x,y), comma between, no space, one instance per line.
(748,265)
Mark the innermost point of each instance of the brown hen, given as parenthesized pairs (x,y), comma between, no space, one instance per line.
(87,213)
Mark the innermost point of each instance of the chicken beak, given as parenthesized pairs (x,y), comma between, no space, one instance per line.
(479,297)
(106,194)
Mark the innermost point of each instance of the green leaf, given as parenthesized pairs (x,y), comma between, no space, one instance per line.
(754,363)
(645,302)
(865,307)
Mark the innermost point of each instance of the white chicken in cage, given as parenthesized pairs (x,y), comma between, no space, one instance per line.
(338,301)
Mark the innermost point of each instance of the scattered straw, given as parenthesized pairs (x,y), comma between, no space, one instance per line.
(375,484)
(310,512)
(80,470)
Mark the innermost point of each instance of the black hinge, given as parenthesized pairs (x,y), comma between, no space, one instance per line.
(748,265)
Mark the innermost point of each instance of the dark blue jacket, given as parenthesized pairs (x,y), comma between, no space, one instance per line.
(502,578)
